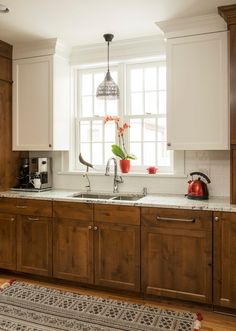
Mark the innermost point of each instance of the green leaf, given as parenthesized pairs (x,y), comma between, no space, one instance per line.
(131,157)
(118,151)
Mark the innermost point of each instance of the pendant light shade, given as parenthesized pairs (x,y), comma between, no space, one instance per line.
(108,89)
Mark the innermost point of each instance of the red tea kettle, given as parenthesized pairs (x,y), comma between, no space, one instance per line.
(197,188)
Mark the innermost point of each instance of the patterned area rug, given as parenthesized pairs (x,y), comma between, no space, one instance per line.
(34,308)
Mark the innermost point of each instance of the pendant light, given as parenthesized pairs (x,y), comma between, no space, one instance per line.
(108,88)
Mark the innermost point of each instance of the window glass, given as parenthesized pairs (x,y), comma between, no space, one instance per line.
(142,105)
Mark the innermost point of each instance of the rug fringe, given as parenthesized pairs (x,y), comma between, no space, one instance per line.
(198,322)
(8,283)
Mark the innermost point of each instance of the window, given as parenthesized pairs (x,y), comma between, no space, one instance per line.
(142,105)
(146,113)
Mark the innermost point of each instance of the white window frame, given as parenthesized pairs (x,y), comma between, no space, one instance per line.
(78,75)
(128,116)
(123,112)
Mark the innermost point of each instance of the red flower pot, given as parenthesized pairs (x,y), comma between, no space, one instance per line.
(124,166)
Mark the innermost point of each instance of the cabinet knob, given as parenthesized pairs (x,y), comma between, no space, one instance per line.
(90,227)
(168,144)
(12,219)
(95,228)
(50,145)
(216,219)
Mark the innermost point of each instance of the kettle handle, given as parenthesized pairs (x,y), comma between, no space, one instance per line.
(200,174)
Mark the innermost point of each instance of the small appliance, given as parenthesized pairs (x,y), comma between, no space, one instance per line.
(35,175)
(40,172)
(197,188)
(24,172)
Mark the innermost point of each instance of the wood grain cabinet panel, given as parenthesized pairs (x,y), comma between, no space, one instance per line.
(9,161)
(30,207)
(34,245)
(73,250)
(73,210)
(117,256)
(177,253)
(117,246)
(224,259)
(7,241)
(117,214)
(73,241)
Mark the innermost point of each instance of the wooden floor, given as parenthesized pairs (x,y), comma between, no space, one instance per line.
(212,321)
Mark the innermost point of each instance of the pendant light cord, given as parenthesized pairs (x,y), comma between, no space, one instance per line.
(108,57)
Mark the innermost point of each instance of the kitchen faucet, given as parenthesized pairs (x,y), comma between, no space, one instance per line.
(117,179)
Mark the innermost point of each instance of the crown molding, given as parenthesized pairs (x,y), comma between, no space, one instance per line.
(192,25)
(228,13)
(151,46)
(40,48)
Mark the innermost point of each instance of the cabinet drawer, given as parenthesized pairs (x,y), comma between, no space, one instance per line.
(26,206)
(117,214)
(73,210)
(177,218)
(8,205)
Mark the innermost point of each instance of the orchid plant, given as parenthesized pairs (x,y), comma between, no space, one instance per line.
(120,149)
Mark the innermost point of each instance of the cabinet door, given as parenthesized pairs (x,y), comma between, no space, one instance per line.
(197,98)
(73,250)
(32,103)
(177,254)
(117,256)
(224,279)
(34,245)
(7,241)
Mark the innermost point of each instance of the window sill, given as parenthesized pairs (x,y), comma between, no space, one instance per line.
(130,174)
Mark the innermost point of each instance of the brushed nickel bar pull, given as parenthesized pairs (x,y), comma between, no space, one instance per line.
(33,219)
(169,219)
(22,207)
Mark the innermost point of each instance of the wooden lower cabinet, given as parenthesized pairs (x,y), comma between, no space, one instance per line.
(117,246)
(224,250)
(7,241)
(117,256)
(73,241)
(73,250)
(177,253)
(34,245)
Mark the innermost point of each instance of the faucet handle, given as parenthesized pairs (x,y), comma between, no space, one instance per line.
(145,191)
(119,179)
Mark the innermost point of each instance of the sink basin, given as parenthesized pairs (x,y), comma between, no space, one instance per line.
(93,196)
(128,197)
(111,196)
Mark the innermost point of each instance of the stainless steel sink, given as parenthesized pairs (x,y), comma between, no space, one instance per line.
(128,197)
(93,196)
(111,196)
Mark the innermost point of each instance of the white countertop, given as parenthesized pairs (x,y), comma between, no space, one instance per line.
(152,200)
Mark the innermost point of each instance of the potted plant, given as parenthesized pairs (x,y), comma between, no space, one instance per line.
(120,149)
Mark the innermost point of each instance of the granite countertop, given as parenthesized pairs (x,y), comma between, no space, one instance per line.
(151,200)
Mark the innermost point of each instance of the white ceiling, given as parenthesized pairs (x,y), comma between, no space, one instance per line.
(81,22)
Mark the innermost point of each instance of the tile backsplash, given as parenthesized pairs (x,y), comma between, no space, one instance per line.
(215,164)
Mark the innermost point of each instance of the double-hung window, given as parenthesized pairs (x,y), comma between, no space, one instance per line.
(93,138)
(146,113)
(142,105)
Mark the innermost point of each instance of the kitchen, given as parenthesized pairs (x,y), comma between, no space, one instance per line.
(51,102)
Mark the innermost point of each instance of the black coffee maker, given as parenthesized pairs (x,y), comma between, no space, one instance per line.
(24,173)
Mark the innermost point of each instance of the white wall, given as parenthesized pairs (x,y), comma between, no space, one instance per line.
(216,164)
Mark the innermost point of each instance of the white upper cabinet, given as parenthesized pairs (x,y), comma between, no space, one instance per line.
(197,90)
(41,105)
